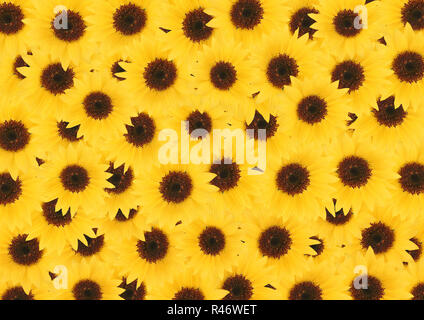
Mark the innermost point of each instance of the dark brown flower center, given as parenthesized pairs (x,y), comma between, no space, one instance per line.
(14,136)
(387,115)
(340,218)
(17,293)
(275,242)
(70,134)
(378,236)
(246,14)
(412,178)
(155,247)
(129,19)
(10,190)
(413,13)
(227,175)
(349,74)
(25,252)
(374,290)
(87,290)
(11,17)
(212,241)
(259,123)
(176,187)
(74,178)
(306,290)
(160,74)
(98,105)
(19,63)
(74,29)
(344,23)
(194,25)
(53,217)
(409,66)
(121,179)
(418,292)
(94,246)
(142,130)
(312,109)
(223,75)
(302,21)
(280,69)
(199,120)
(354,172)
(293,179)
(131,292)
(239,287)
(416,254)
(56,80)
(189,294)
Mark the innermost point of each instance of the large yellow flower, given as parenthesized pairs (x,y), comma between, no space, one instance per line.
(13,290)
(153,75)
(398,13)
(282,241)
(11,78)
(60,26)
(187,22)
(299,17)
(405,53)
(246,21)
(210,243)
(415,285)
(364,178)
(14,31)
(345,25)
(76,177)
(176,192)
(119,23)
(280,58)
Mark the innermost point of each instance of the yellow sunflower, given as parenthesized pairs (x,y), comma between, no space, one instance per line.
(248,279)
(363,73)
(188,30)
(387,236)
(23,260)
(417,239)
(369,278)
(408,193)
(98,105)
(176,192)
(344,26)
(299,17)
(119,23)
(389,125)
(108,65)
(17,146)
(60,26)
(315,110)
(56,230)
(364,178)
(135,290)
(150,254)
(14,31)
(13,290)
(19,194)
(210,243)
(47,80)
(405,53)
(398,13)
(76,177)
(11,78)
(223,74)
(246,21)
(187,286)
(315,281)
(153,75)
(90,281)
(279,59)
(282,241)
(298,180)
(415,285)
